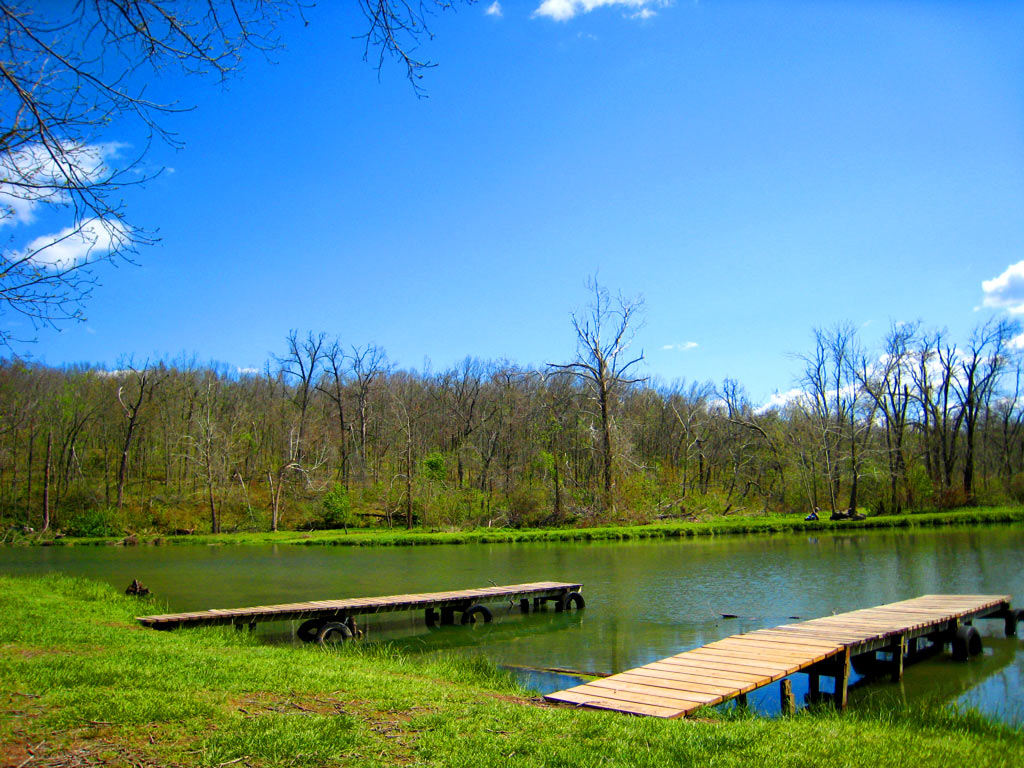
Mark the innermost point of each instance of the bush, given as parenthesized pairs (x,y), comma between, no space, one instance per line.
(337,508)
(98,521)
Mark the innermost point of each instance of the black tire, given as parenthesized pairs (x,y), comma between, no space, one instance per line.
(469,615)
(570,599)
(431,617)
(334,632)
(308,630)
(966,643)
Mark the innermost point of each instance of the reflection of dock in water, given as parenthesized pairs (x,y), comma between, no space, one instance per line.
(934,679)
(451,637)
(737,665)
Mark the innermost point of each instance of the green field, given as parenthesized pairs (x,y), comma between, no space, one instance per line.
(82,684)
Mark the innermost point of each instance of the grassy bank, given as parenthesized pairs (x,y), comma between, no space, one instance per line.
(719,527)
(82,684)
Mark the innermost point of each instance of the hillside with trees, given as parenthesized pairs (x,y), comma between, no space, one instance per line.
(333,435)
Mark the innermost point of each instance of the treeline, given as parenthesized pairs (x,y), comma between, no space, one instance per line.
(920,422)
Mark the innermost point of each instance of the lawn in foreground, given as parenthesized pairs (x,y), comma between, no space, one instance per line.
(82,684)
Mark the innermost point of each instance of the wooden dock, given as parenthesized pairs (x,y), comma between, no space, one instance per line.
(329,620)
(732,667)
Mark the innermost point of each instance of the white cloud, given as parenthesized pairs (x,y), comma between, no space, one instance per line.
(249,371)
(1017,342)
(563,10)
(494,9)
(682,347)
(780,400)
(1007,290)
(75,245)
(30,176)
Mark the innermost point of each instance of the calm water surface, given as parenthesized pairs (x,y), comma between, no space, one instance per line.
(645,600)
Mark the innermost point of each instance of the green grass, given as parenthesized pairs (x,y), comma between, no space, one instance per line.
(719,527)
(80,680)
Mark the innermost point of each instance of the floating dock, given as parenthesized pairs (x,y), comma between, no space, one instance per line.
(733,667)
(332,620)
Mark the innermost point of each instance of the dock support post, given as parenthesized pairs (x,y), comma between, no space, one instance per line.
(842,678)
(524,605)
(898,650)
(741,700)
(786,701)
(1012,619)
(814,688)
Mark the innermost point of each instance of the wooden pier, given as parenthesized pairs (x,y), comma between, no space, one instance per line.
(334,620)
(732,667)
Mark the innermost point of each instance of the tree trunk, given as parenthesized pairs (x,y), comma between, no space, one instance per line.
(46,481)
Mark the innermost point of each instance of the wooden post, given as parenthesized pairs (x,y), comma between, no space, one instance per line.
(814,688)
(786,701)
(524,605)
(842,678)
(741,700)
(899,650)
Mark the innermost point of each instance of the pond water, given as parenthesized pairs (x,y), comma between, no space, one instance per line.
(645,599)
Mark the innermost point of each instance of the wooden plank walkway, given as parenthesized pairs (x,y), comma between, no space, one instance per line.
(736,665)
(460,600)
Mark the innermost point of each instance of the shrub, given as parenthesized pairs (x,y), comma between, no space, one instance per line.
(98,521)
(337,508)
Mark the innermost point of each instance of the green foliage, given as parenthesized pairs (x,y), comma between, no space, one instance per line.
(93,522)
(434,467)
(337,508)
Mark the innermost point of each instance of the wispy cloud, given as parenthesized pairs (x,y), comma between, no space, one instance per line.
(30,176)
(494,9)
(685,347)
(563,10)
(1007,290)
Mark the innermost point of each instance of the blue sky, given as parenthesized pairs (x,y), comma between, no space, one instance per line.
(752,169)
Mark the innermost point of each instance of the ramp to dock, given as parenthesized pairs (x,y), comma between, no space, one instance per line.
(562,594)
(736,665)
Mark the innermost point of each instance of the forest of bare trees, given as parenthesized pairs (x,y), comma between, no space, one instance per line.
(176,445)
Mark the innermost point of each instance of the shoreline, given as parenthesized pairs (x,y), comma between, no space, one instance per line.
(668,530)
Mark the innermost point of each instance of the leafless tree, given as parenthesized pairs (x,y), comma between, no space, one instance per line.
(981,363)
(368,364)
(887,383)
(132,395)
(603,363)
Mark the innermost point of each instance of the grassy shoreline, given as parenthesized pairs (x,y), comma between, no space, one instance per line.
(82,684)
(667,530)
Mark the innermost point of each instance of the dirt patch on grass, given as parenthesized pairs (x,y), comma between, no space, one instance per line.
(78,753)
